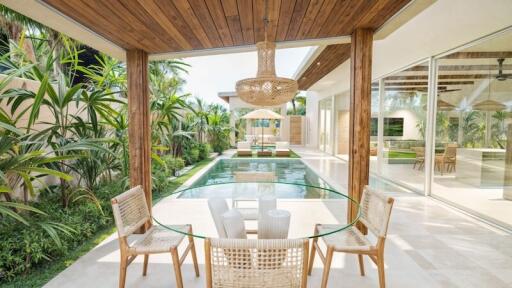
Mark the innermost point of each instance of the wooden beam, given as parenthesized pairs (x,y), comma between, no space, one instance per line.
(139,121)
(408,89)
(479,55)
(443,77)
(483,67)
(360,115)
(330,58)
(416,84)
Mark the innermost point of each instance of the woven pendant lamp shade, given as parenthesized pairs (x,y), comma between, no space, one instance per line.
(489,105)
(444,106)
(266,89)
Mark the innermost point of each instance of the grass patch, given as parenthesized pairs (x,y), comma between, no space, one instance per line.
(400,154)
(255,155)
(41,275)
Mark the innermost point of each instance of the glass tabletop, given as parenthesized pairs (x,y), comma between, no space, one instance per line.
(307,206)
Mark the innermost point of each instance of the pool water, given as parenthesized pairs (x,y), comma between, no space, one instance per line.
(287,171)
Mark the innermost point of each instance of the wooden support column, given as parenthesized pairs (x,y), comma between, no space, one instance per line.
(360,115)
(139,121)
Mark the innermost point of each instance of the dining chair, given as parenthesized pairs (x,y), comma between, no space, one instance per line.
(218,206)
(447,159)
(240,191)
(252,263)
(375,213)
(131,213)
(420,157)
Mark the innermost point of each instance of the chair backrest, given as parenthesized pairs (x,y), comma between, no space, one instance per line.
(243,145)
(218,206)
(254,176)
(233,223)
(130,211)
(376,211)
(283,145)
(252,263)
(450,151)
(420,151)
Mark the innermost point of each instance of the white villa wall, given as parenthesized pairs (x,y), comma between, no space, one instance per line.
(443,26)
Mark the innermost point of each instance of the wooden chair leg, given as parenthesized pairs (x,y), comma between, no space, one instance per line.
(361,264)
(145,267)
(177,267)
(193,251)
(380,268)
(312,256)
(327,266)
(122,271)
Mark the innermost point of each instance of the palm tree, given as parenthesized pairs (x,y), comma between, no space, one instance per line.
(200,121)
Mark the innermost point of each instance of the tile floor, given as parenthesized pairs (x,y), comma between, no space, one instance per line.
(429,245)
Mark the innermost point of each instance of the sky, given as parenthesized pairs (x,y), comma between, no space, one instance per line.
(209,75)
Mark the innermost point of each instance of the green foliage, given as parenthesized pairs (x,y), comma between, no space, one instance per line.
(191,154)
(204,151)
(23,249)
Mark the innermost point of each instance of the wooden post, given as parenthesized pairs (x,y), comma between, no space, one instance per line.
(360,114)
(139,121)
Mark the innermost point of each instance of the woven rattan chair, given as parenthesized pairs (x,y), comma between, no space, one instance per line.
(131,213)
(252,263)
(375,214)
(420,157)
(448,159)
(251,213)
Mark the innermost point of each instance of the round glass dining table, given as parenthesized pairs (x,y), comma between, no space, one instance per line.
(307,205)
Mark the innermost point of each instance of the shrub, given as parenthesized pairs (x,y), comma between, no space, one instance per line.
(191,154)
(174,164)
(204,151)
(24,247)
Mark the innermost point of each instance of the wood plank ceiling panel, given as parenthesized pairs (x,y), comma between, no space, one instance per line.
(203,15)
(331,57)
(311,14)
(245,12)
(233,18)
(186,11)
(219,18)
(159,26)
(298,15)
(285,17)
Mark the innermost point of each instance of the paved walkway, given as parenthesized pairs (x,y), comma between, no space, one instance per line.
(429,245)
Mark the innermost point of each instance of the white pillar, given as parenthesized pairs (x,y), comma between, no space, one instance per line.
(430,131)
(380,127)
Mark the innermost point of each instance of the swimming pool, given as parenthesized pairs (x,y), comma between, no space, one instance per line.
(286,170)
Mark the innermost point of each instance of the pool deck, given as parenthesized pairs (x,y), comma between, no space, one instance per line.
(429,245)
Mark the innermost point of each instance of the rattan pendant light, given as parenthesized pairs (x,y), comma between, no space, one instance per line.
(266,89)
(489,104)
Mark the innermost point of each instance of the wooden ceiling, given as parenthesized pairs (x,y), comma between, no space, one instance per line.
(330,58)
(163,26)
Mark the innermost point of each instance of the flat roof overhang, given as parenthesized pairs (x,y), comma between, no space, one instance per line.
(178,29)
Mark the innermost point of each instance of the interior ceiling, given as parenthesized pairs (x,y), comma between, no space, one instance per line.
(159,26)
(463,77)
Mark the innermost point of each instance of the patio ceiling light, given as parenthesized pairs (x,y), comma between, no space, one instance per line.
(266,89)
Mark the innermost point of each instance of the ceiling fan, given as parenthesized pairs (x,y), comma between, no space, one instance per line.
(501,76)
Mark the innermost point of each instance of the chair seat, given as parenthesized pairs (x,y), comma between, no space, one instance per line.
(248,213)
(350,239)
(159,240)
